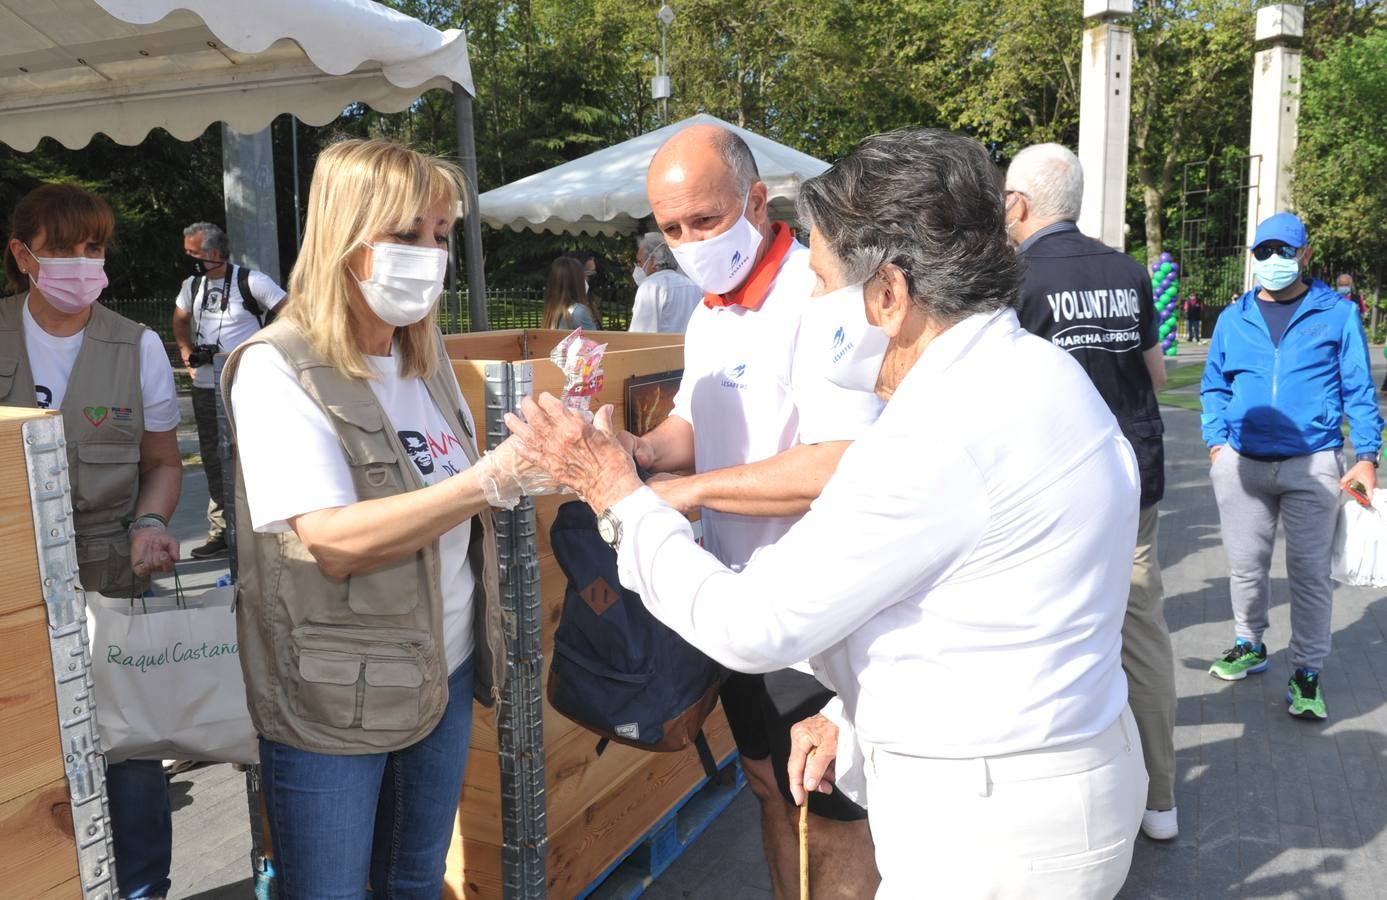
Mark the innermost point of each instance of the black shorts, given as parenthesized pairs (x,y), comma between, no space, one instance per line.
(762,709)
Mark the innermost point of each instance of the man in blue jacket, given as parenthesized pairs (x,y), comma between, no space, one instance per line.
(1288,360)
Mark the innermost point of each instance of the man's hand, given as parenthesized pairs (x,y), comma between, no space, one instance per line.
(678,491)
(813,748)
(152,550)
(1213,452)
(640,449)
(1364,473)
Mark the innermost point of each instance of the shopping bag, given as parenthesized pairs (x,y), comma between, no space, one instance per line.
(1360,543)
(167,674)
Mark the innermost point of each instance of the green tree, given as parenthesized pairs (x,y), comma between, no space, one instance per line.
(1342,153)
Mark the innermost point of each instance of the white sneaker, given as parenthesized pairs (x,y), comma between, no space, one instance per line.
(1159,824)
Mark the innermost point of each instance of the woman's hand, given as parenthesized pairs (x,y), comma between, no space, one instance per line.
(506,476)
(582,456)
(152,550)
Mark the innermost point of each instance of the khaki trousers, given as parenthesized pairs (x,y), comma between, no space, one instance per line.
(1149,661)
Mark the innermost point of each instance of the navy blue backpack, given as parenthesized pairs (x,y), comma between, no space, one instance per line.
(617,670)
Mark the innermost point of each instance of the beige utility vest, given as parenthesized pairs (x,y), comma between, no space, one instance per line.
(355,666)
(103,421)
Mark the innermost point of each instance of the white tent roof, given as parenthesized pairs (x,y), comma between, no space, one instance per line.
(72,68)
(604,192)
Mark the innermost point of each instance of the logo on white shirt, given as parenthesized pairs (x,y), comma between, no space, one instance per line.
(417,446)
(732,377)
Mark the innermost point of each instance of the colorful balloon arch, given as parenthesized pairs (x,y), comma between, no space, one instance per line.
(1165,287)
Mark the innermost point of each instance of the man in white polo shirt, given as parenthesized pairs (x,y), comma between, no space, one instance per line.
(963,576)
(761,426)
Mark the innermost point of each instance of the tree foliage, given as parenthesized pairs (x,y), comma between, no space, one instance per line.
(1342,154)
(557,79)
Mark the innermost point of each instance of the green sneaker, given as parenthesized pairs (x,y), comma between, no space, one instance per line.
(1304,695)
(1243,658)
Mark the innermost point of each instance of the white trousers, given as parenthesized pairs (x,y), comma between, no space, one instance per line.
(1056,823)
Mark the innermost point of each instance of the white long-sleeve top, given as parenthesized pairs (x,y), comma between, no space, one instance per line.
(963,577)
(664,302)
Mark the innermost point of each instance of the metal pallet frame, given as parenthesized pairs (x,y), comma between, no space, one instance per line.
(520,718)
(50,497)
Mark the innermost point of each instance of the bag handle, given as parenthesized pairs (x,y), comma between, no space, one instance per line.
(180,597)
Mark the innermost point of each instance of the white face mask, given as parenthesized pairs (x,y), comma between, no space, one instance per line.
(721,263)
(405,282)
(638,275)
(859,347)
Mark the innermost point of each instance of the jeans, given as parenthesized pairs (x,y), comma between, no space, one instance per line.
(339,822)
(141,826)
(1193,327)
(205,414)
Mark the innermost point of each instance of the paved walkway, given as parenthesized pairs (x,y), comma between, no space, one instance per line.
(1270,806)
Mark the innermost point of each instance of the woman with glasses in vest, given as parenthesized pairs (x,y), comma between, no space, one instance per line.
(111,380)
(368,599)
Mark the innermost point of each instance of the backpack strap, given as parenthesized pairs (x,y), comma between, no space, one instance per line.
(705,754)
(248,300)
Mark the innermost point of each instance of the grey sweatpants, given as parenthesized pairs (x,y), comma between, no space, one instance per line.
(1303,492)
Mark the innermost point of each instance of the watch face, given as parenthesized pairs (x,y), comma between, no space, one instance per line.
(606,529)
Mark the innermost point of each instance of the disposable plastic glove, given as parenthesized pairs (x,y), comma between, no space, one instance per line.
(506,476)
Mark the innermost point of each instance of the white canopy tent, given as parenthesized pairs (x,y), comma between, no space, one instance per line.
(604,192)
(72,68)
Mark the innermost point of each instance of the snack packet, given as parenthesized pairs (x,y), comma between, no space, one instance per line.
(580,360)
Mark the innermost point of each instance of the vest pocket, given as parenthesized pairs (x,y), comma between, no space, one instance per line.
(327,687)
(351,674)
(106,478)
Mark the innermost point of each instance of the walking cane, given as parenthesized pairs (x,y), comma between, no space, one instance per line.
(804,850)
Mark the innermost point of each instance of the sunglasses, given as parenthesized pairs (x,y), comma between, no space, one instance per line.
(1285,251)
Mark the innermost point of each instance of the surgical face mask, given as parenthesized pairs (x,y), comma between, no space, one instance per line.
(638,275)
(1274,272)
(858,347)
(70,283)
(405,282)
(1344,289)
(721,263)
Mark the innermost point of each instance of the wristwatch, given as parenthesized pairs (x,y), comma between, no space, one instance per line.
(609,528)
(1368,458)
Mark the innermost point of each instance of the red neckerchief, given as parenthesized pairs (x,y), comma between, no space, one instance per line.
(758,284)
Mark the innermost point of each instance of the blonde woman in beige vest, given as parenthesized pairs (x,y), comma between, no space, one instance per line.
(110,378)
(368,601)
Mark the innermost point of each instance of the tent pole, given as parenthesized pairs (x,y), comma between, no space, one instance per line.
(472,222)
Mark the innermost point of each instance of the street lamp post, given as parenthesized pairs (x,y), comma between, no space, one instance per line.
(659,85)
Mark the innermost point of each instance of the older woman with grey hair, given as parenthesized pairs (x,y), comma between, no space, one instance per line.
(665,298)
(962,579)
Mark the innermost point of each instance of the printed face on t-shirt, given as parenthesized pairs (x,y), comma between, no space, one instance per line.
(417,446)
(214,298)
(43,397)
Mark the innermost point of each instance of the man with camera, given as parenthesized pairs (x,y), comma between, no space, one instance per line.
(219,306)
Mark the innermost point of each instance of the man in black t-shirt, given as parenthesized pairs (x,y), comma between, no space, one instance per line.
(1096,302)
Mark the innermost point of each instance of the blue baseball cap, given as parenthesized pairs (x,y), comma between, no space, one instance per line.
(1284,227)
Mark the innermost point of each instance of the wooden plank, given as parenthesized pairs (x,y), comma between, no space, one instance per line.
(30,750)
(540,342)
(471,376)
(474,871)
(37,848)
(486,345)
(68,890)
(588,843)
(19,576)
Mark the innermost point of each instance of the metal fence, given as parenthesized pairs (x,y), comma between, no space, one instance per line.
(1213,231)
(506,308)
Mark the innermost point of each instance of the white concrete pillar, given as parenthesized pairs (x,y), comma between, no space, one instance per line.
(1275,107)
(1105,104)
(248,181)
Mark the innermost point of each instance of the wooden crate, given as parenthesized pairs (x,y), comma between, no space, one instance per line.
(38,851)
(598,808)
